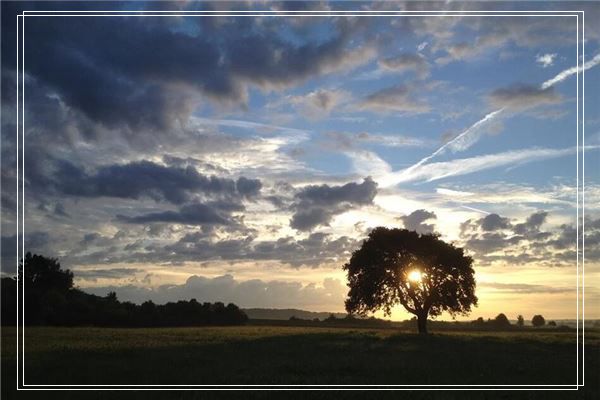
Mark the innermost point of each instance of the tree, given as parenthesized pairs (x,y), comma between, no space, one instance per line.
(421,272)
(46,288)
(520,321)
(552,323)
(501,321)
(538,320)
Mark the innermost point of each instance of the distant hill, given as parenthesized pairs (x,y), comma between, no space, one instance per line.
(285,314)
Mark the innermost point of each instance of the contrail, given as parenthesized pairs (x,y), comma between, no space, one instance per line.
(468,137)
(458,143)
(570,71)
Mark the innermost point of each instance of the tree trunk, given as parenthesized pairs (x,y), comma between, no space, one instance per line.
(422,323)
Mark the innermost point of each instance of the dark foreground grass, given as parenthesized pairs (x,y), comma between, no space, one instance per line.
(296,356)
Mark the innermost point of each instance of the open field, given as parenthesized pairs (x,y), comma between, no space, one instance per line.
(296,355)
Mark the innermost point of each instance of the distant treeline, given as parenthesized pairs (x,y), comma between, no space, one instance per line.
(499,323)
(51,299)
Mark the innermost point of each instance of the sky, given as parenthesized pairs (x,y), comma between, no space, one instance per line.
(243,158)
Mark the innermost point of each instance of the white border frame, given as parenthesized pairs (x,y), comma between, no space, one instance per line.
(449,13)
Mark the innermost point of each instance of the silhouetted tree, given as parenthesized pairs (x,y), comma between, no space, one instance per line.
(551,323)
(46,287)
(421,272)
(51,299)
(538,320)
(520,321)
(501,321)
(9,301)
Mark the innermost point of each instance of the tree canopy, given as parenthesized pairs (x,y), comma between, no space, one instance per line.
(419,271)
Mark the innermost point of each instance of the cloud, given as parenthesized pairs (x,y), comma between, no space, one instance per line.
(440,170)
(521,97)
(394,99)
(406,62)
(35,242)
(524,288)
(546,60)
(318,103)
(131,87)
(316,249)
(496,239)
(571,71)
(532,224)
(191,214)
(505,192)
(106,273)
(147,179)
(327,295)
(318,204)
(414,221)
(494,222)
(462,141)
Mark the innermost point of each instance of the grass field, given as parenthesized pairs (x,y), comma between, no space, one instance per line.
(298,355)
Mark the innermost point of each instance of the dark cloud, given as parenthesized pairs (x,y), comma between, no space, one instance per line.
(522,96)
(395,99)
(147,179)
(414,221)
(532,224)
(494,222)
(318,204)
(206,245)
(191,214)
(525,242)
(109,273)
(141,83)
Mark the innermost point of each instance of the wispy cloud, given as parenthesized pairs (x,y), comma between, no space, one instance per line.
(471,135)
(255,126)
(571,71)
(461,142)
(440,170)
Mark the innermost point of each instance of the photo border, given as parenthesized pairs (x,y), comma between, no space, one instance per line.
(443,13)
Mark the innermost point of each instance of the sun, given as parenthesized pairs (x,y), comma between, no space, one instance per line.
(415,276)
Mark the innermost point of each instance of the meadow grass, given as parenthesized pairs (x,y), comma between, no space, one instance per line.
(296,356)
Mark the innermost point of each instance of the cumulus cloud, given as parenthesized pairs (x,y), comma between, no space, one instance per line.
(498,239)
(415,221)
(494,222)
(328,293)
(129,86)
(318,204)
